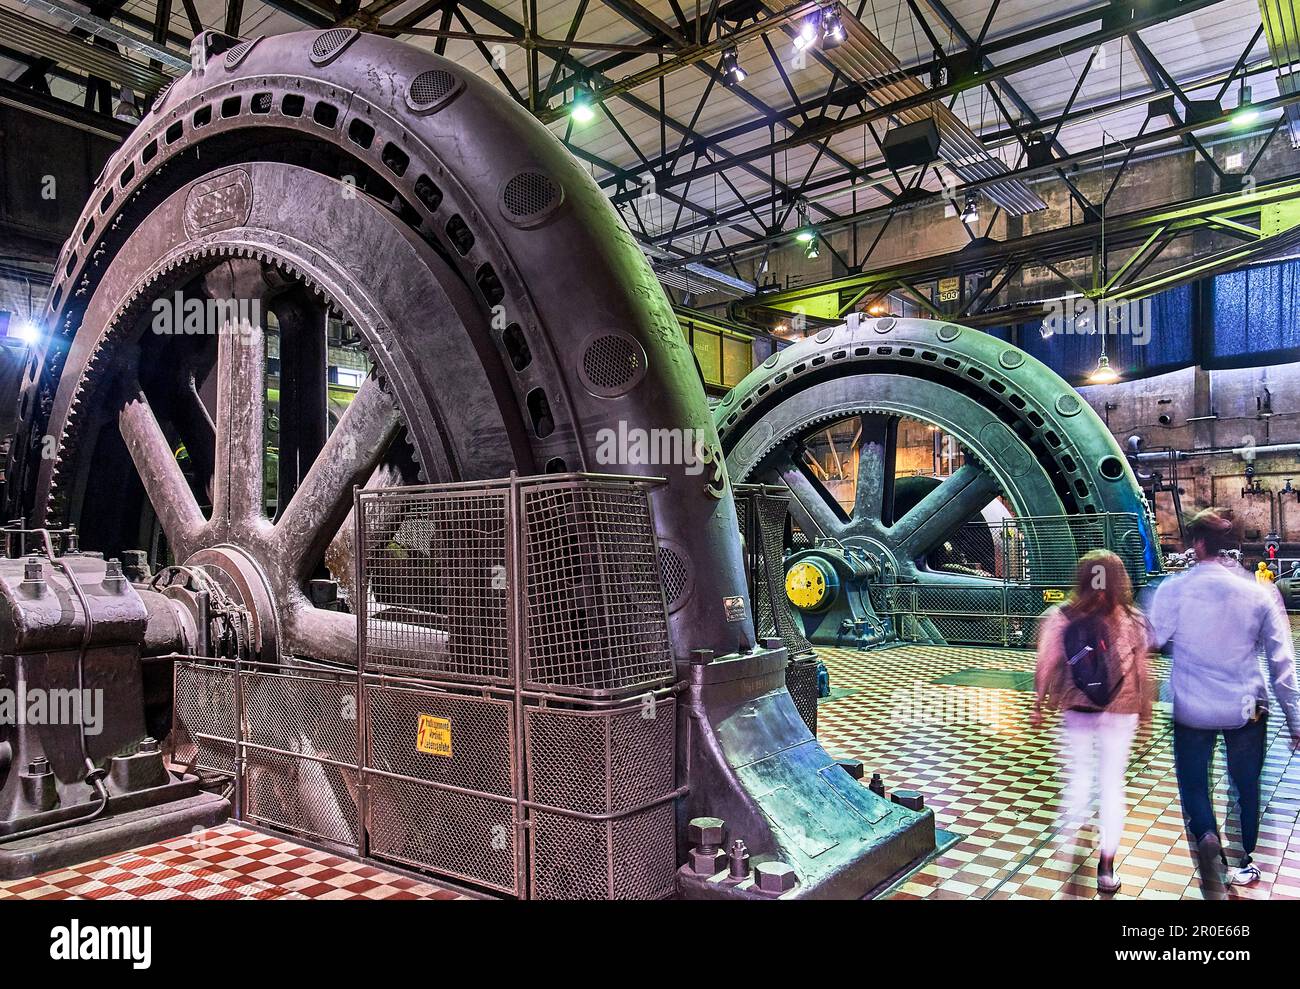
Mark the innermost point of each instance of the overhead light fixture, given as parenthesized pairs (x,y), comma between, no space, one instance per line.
(581,110)
(1246,112)
(970,211)
(832,27)
(126,108)
(809,31)
(811,252)
(807,233)
(1104,373)
(28,332)
(730,68)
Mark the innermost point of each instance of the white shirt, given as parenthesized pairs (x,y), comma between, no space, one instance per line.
(1220,619)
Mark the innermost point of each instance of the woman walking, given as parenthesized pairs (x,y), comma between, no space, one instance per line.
(1092,664)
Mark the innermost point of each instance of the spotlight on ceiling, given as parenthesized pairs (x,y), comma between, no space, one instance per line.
(581,110)
(1246,112)
(970,211)
(1104,374)
(730,68)
(832,27)
(809,31)
(811,252)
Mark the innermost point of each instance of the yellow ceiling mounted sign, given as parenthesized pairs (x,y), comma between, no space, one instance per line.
(433,736)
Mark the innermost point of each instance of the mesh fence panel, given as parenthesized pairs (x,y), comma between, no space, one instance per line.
(433,565)
(762,518)
(628,858)
(302,795)
(601,763)
(1020,567)
(315,719)
(204,705)
(480,734)
(595,617)
(460,835)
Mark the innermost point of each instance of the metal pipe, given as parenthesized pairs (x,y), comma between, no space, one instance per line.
(1238,451)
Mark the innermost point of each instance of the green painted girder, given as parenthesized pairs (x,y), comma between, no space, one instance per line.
(1274,207)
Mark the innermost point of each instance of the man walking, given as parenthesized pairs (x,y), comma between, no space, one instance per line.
(1219,621)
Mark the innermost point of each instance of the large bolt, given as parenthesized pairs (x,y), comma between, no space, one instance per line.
(707,858)
(33,570)
(114,579)
(706,831)
(38,766)
(149,745)
(774,878)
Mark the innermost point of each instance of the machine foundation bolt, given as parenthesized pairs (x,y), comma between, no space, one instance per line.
(911,799)
(33,585)
(701,657)
(853,767)
(114,579)
(150,745)
(707,857)
(738,860)
(40,766)
(774,878)
(877,785)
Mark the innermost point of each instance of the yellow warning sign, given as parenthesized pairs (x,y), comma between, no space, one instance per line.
(1052,594)
(434,736)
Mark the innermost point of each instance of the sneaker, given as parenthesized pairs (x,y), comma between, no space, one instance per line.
(1247,875)
(1209,856)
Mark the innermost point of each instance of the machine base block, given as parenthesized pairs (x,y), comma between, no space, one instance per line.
(110,834)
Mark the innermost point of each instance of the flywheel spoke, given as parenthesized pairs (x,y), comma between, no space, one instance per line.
(241,402)
(327,636)
(350,455)
(943,510)
(812,505)
(161,475)
(873,497)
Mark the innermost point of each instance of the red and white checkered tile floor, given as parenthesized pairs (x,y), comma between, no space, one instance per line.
(229,862)
(988,775)
(996,782)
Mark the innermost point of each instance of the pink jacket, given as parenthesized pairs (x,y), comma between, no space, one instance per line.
(1131,642)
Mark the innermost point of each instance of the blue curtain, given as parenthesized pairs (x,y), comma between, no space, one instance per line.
(1257,315)
(1163,344)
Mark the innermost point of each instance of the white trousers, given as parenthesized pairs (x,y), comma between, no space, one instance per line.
(1096,755)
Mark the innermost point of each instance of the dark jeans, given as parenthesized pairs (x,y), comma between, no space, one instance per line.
(1193,751)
